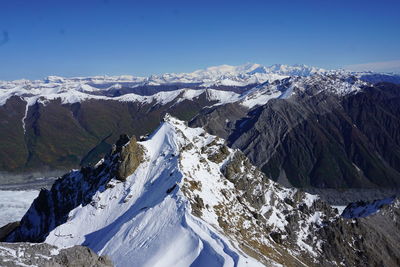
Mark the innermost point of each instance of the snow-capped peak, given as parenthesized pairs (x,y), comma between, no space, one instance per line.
(287,70)
(227,70)
(250,84)
(186,200)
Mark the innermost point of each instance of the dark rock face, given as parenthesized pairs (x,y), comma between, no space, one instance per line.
(12,144)
(26,254)
(362,209)
(7,229)
(369,241)
(51,207)
(131,155)
(380,77)
(319,140)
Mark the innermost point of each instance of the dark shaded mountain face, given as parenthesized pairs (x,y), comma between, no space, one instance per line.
(319,131)
(63,136)
(318,139)
(380,77)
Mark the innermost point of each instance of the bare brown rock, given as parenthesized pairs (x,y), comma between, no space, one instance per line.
(131,156)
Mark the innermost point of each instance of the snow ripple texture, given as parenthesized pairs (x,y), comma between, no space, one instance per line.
(147,221)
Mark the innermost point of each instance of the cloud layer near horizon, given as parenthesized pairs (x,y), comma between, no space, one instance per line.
(386,66)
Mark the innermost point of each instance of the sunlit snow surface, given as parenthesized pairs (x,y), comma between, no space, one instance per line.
(146,221)
(14,204)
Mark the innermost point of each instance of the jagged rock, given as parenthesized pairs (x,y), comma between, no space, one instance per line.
(187,207)
(51,207)
(368,241)
(44,255)
(131,155)
(7,229)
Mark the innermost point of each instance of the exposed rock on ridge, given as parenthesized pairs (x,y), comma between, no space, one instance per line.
(44,255)
(131,155)
(193,199)
(51,207)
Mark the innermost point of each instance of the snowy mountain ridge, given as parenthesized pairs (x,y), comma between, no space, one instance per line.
(182,198)
(179,194)
(264,80)
(242,73)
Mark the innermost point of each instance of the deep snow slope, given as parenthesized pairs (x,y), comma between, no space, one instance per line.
(183,198)
(147,220)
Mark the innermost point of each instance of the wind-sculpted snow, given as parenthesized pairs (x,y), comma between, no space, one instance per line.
(147,218)
(191,201)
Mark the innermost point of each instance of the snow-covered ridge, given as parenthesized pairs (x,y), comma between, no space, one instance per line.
(217,75)
(337,84)
(81,93)
(192,201)
(189,201)
(264,83)
(81,88)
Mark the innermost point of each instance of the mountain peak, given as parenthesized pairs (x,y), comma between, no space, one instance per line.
(189,201)
(179,192)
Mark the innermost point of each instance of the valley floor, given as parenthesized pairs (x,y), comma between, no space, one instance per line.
(14,204)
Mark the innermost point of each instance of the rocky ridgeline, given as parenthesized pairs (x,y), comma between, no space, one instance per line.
(51,207)
(182,172)
(44,255)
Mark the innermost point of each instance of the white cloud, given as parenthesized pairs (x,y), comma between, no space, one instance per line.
(386,66)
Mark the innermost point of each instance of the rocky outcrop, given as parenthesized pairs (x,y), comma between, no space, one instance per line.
(131,155)
(370,241)
(191,184)
(7,229)
(51,207)
(44,255)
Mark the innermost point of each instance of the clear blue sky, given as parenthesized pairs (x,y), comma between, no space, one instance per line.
(96,37)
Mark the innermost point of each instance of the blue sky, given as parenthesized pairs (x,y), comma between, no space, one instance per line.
(95,37)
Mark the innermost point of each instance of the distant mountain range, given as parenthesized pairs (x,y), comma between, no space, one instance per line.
(303,126)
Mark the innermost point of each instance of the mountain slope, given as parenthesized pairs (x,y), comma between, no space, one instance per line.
(182,198)
(327,132)
(93,111)
(65,133)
